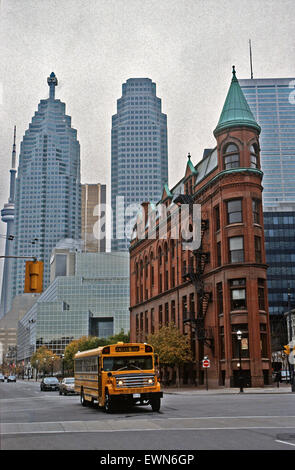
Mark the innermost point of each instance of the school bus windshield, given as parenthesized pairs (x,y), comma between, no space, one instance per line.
(127,363)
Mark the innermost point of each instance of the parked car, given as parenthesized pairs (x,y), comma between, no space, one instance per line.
(2,378)
(67,386)
(11,378)
(49,383)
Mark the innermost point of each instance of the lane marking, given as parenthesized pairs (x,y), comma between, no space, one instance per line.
(285,442)
(149,429)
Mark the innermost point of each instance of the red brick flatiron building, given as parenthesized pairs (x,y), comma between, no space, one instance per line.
(214,290)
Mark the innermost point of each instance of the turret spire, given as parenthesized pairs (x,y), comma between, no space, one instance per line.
(236,111)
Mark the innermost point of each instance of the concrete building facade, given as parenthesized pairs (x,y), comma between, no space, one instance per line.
(93,217)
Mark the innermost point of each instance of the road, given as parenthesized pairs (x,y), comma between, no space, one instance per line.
(35,420)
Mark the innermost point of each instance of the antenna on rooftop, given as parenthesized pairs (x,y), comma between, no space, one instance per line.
(251,63)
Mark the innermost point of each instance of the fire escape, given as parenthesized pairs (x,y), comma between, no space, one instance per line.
(194,273)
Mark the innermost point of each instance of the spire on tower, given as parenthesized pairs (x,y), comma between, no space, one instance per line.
(236,111)
(13,159)
(52,83)
(13,170)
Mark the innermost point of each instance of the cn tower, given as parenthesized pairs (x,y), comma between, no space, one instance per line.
(7,216)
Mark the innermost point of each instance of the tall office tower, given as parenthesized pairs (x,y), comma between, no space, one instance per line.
(93,200)
(272,101)
(139,155)
(7,215)
(48,192)
(279,230)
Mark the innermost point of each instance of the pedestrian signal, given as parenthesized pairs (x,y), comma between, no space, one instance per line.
(34,277)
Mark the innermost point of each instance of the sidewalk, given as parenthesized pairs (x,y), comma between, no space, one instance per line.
(186,390)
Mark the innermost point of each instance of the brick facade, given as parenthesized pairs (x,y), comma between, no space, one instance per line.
(219,288)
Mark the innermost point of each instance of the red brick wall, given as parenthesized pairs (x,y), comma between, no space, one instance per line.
(144,256)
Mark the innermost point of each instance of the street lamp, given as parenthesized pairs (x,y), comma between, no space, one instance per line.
(37,362)
(239,337)
(290,338)
(63,365)
(45,366)
(52,359)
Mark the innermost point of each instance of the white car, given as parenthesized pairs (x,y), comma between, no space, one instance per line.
(67,386)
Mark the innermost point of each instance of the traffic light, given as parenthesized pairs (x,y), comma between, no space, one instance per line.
(34,277)
(287,349)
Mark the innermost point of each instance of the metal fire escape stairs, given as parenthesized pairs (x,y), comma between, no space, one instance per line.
(194,273)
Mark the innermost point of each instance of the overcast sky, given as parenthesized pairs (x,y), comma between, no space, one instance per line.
(187,47)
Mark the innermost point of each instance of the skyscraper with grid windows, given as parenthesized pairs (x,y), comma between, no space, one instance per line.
(48,192)
(272,101)
(139,155)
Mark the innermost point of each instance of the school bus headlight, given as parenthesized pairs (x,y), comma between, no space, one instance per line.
(151,381)
(120,382)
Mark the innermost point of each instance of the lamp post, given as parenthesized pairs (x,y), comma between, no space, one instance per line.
(52,359)
(290,338)
(63,368)
(37,362)
(239,337)
(44,365)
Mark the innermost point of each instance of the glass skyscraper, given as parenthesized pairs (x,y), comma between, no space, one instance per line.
(272,101)
(93,300)
(48,193)
(139,155)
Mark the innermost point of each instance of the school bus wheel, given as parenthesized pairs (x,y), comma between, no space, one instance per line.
(156,404)
(82,399)
(107,402)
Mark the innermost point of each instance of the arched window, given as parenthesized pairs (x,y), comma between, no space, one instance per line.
(254,156)
(231,156)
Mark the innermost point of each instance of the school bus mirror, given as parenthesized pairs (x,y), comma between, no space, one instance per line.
(156,360)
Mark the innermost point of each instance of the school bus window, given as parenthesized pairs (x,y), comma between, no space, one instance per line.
(128,363)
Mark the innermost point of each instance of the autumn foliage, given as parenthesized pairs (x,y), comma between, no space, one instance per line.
(172,346)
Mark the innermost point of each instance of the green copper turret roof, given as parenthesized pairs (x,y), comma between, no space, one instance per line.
(236,111)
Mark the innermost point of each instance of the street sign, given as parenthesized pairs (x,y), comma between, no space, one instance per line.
(206,363)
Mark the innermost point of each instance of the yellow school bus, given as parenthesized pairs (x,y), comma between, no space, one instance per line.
(121,374)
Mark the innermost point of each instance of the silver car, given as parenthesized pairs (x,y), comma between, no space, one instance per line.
(67,386)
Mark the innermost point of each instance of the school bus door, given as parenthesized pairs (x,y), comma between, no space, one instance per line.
(99,378)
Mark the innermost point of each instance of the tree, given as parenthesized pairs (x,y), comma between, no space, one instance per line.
(90,342)
(82,344)
(44,360)
(173,348)
(125,338)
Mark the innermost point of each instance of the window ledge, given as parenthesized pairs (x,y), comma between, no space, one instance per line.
(233,312)
(237,224)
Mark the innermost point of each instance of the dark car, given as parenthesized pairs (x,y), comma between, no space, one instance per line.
(2,378)
(11,378)
(49,383)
